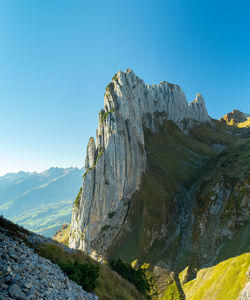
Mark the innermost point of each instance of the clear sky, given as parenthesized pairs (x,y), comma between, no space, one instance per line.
(57,56)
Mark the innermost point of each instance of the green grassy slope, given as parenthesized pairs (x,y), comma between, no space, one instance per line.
(223,281)
(176,161)
(109,285)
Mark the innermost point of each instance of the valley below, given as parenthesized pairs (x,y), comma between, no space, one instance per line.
(41,202)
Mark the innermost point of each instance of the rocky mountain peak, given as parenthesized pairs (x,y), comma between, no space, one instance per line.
(235,117)
(199,98)
(116,161)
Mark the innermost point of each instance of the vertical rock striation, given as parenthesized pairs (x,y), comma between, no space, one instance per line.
(116,161)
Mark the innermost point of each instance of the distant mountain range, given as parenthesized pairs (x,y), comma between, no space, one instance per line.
(41,202)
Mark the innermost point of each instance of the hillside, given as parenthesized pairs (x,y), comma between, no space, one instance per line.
(41,202)
(165,184)
(39,277)
(62,235)
(198,218)
(222,281)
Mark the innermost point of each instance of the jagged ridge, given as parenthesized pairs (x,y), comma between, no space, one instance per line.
(116,162)
(158,186)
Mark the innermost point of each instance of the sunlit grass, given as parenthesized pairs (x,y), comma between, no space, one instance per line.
(245,124)
(222,281)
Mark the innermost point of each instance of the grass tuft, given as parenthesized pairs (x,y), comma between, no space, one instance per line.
(78,198)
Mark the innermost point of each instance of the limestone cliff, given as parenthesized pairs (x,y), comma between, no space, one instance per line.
(117,160)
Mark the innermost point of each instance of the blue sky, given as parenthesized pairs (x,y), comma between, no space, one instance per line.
(57,56)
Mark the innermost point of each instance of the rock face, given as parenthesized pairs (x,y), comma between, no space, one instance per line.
(117,160)
(235,117)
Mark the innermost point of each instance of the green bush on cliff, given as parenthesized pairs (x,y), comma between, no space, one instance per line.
(78,198)
(137,277)
(83,274)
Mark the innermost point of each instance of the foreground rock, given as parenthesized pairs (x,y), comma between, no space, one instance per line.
(25,275)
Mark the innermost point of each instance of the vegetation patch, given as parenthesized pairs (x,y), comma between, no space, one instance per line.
(115,77)
(83,274)
(78,198)
(111,214)
(99,155)
(62,235)
(109,285)
(91,168)
(172,292)
(85,173)
(137,276)
(105,228)
(104,114)
(110,87)
(223,281)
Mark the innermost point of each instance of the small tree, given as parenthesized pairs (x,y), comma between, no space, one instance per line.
(83,274)
(137,276)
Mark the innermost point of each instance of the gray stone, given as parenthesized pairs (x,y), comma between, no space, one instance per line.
(29,280)
(245,293)
(16,293)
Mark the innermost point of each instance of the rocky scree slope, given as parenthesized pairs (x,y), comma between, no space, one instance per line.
(47,254)
(26,275)
(165,184)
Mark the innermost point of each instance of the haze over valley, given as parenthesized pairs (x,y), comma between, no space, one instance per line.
(41,202)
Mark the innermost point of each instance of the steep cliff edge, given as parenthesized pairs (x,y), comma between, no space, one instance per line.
(117,160)
(165,184)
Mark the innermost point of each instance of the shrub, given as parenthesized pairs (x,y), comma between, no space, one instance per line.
(115,77)
(83,274)
(111,214)
(137,277)
(109,285)
(105,228)
(110,87)
(78,198)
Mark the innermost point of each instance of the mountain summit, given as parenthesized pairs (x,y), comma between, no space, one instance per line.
(237,118)
(117,160)
(165,185)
